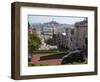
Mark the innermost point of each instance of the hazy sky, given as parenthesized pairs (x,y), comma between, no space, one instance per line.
(59,19)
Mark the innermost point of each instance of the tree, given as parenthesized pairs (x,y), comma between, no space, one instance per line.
(34,42)
(85,47)
(50,41)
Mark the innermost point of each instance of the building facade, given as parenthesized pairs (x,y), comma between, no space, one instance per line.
(81,33)
(73,37)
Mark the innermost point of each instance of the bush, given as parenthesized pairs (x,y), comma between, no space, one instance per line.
(37,64)
(50,41)
(34,42)
(45,51)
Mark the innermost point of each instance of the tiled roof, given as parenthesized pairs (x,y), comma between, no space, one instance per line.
(81,24)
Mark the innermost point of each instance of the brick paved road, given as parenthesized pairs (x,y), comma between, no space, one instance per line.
(36,59)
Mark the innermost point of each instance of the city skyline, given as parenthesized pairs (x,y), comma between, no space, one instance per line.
(60,19)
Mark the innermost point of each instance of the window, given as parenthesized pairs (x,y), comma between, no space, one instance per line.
(72,31)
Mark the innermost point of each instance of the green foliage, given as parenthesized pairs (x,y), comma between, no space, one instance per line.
(34,42)
(86,41)
(63,48)
(50,41)
(76,63)
(37,64)
(45,51)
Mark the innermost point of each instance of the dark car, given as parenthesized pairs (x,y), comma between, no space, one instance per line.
(73,56)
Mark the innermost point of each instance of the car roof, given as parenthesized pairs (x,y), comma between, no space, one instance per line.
(76,51)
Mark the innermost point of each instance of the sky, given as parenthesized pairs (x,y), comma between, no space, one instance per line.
(59,19)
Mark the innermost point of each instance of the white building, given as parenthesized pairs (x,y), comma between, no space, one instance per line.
(71,38)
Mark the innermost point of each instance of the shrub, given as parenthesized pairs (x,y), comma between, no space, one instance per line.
(37,64)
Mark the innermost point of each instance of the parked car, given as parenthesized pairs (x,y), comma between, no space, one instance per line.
(73,56)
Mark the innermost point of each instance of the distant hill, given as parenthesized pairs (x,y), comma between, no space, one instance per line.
(48,27)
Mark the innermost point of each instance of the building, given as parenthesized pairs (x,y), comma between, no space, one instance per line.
(60,40)
(81,33)
(73,37)
(76,36)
